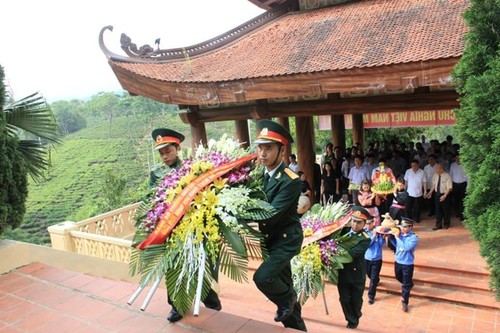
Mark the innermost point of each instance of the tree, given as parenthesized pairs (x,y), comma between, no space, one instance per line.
(477,78)
(32,120)
(113,194)
(68,116)
(105,105)
(13,173)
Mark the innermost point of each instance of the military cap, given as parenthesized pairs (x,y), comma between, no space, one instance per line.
(272,132)
(360,214)
(406,222)
(164,137)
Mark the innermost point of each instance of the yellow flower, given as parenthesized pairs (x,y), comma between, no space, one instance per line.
(186,180)
(308,232)
(219,183)
(200,167)
(211,198)
(205,166)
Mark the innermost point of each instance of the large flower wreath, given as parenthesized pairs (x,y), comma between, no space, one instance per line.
(196,220)
(324,251)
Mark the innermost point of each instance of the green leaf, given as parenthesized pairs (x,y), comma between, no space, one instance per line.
(182,289)
(233,240)
(233,265)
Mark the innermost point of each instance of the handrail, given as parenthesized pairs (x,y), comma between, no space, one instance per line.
(107,236)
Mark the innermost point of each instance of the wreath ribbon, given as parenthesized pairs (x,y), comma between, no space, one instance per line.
(326,230)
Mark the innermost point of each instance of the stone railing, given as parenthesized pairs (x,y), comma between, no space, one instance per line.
(106,236)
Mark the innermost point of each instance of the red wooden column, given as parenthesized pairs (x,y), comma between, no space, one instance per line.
(358,133)
(338,131)
(198,131)
(304,128)
(285,122)
(242,133)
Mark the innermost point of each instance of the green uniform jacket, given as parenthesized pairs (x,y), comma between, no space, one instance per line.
(355,271)
(160,171)
(283,192)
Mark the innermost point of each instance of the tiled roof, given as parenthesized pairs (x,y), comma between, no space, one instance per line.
(355,35)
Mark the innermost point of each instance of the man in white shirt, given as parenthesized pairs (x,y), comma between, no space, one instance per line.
(370,163)
(347,164)
(424,143)
(357,174)
(459,179)
(293,165)
(416,185)
(429,173)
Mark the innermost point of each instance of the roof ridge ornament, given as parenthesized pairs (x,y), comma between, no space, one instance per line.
(148,54)
(131,49)
(109,54)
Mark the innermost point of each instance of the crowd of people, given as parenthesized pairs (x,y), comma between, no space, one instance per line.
(428,174)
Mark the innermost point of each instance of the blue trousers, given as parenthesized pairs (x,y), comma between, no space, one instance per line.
(404,274)
(373,268)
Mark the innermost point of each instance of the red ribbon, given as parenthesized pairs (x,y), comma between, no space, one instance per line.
(326,230)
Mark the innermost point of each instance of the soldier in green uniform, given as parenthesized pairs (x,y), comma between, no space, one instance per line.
(352,277)
(283,233)
(167,142)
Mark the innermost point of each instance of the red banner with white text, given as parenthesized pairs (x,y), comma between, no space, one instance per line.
(396,119)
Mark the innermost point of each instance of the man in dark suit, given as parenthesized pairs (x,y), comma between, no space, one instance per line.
(283,233)
(352,277)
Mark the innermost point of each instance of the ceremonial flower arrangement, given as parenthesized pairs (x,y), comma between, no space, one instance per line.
(196,221)
(323,252)
(384,182)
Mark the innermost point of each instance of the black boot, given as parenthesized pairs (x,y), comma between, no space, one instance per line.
(174,315)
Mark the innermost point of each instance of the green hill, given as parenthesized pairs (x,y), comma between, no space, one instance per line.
(75,184)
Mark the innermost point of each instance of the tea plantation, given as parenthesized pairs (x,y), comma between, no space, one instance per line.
(75,186)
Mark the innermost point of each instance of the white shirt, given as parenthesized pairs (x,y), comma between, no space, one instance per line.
(294,167)
(457,173)
(429,173)
(271,173)
(370,167)
(346,167)
(415,182)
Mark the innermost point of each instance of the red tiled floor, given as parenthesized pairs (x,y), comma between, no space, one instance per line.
(39,298)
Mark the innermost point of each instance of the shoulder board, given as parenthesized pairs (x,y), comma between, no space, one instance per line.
(157,166)
(291,174)
(365,234)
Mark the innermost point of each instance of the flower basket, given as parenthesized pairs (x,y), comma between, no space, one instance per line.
(383,188)
(196,221)
(384,182)
(323,250)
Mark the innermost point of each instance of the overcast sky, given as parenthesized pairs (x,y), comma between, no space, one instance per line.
(51,46)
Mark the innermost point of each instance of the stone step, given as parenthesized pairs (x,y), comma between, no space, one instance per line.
(470,288)
(476,300)
(465,272)
(443,281)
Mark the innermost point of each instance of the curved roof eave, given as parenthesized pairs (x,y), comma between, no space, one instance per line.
(327,39)
(146,54)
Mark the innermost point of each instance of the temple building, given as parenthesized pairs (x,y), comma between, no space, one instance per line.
(304,58)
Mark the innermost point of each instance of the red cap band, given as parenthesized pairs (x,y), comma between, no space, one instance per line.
(274,136)
(359,215)
(166,139)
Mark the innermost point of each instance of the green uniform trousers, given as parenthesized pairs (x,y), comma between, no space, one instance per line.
(351,300)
